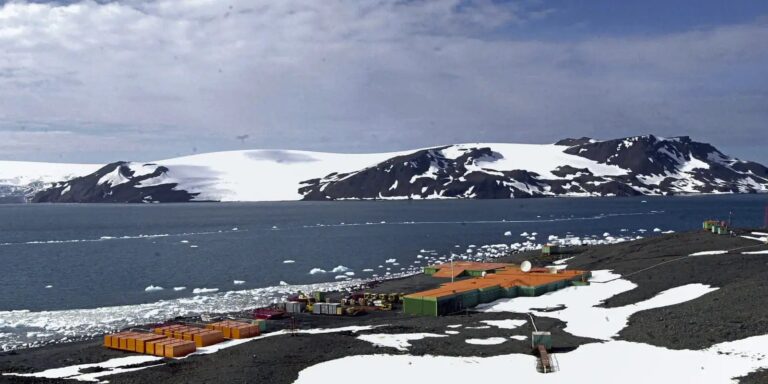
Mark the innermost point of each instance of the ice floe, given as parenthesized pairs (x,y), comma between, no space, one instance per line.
(238,282)
(179,288)
(315,271)
(204,290)
(288,261)
(340,269)
(153,288)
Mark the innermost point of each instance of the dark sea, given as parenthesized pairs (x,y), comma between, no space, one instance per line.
(64,264)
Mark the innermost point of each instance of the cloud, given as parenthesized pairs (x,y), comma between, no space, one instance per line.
(166,76)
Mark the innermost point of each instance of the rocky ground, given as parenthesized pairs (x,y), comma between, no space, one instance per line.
(655,264)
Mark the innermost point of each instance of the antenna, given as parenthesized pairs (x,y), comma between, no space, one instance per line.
(525,266)
(766,217)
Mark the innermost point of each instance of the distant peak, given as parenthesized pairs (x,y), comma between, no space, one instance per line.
(570,142)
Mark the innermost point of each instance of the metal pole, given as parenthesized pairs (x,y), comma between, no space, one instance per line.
(452,268)
(533,322)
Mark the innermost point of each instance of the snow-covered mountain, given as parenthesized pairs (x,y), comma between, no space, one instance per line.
(643,165)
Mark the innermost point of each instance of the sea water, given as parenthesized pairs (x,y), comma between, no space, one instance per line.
(110,265)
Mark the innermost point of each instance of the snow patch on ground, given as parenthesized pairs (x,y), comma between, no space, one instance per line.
(487,341)
(504,324)
(602,363)
(705,253)
(580,304)
(401,342)
(765,252)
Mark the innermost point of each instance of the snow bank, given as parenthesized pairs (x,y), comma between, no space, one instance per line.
(601,363)
(579,304)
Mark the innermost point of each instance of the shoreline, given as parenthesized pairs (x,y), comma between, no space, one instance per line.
(288,355)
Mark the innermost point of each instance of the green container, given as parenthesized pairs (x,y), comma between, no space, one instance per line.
(261,323)
(490,294)
(430,270)
(470,298)
(421,306)
(541,338)
(510,292)
(549,249)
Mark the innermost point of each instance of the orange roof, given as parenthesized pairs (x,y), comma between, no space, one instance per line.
(506,278)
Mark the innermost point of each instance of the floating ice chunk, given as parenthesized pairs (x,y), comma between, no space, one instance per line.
(288,261)
(368,270)
(488,341)
(153,288)
(341,277)
(524,234)
(184,241)
(606,234)
(390,261)
(315,271)
(283,283)
(238,282)
(668,232)
(179,288)
(235,228)
(349,273)
(534,234)
(340,269)
(274,227)
(452,332)
(518,337)
(204,290)
(657,230)
(193,246)
(508,233)
(49,286)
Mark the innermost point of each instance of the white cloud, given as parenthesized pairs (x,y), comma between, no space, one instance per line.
(168,75)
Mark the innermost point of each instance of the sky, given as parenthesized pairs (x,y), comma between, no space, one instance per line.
(141,80)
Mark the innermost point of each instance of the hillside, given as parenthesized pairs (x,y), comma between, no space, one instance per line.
(642,165)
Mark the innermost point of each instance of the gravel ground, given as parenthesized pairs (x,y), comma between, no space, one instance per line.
(727,314)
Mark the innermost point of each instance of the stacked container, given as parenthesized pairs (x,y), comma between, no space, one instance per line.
(200,336)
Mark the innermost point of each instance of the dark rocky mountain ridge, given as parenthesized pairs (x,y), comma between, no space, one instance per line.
(641,165)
